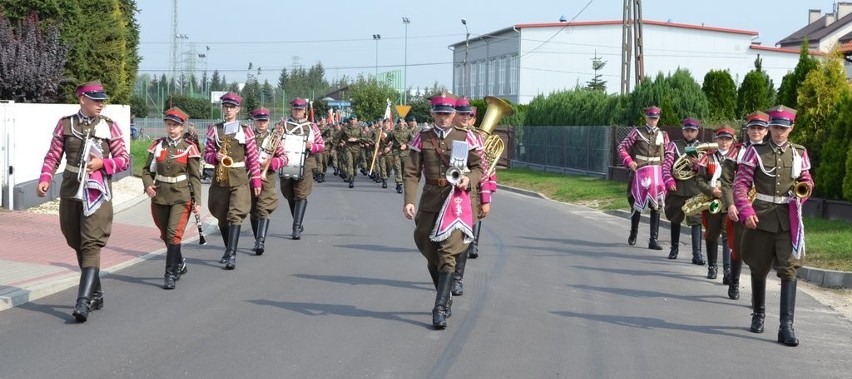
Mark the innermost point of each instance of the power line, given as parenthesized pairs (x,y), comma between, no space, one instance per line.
(560,29)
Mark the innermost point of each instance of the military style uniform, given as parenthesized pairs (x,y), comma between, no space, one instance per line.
(778,239)
(686,189)
(709,178)
(400,139)
(351,151)
(430,156)
(86,221)
(646,147)
(229,198)
(296,191)
(264,204)
(173,167)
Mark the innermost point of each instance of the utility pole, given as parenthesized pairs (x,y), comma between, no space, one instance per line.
(631,37)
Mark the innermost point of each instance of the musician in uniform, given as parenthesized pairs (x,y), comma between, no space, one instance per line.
(272,157)
(171,177)
(643,150)
(85,195)
(682,189)
(709,183)
(400,139)
(297,189)
(757,127)
(231,147)
(351,137)
(327,133)
(442,234)
(774,234)
(385,160)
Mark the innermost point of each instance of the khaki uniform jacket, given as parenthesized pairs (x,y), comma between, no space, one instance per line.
(177,175)
(433,161)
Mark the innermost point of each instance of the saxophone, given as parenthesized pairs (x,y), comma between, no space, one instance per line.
(700,203)
(227,161)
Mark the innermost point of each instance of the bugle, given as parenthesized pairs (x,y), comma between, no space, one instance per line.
(802,190)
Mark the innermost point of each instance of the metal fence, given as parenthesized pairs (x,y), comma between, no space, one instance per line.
(150,127)
(565,149)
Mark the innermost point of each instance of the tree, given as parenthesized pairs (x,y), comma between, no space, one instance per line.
(721,93)
(31,61)
(753,94)
(788,92)
(217,83)
(832,173)
(819,96)
(138,106)
(369,98)
(597,83)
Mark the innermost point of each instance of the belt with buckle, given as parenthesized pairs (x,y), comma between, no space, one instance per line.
(773,199)
(171,179)
(442,182)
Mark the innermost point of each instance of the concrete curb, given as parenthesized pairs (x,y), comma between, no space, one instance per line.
(820,277)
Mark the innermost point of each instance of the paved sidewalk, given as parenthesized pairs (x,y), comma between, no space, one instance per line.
(36,262)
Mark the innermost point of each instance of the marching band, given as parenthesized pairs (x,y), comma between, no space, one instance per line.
(747,197)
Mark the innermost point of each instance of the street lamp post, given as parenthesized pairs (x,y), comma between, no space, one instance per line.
(465,73)
(405,21)
(377,37)
(181,38)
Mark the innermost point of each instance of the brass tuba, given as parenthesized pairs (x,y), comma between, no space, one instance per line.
(497,109)
(682,168)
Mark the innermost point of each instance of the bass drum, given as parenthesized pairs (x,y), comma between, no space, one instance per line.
(294,146)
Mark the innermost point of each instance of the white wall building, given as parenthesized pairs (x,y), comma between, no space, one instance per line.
(526,60)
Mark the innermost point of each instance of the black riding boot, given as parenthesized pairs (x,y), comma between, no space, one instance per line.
(384,183)
(233,241)
(473,249)
(758,303)
(253,222)
(399,188)
(97,302)
(726,261)
(712,256)
(697,258)
(458,275)
(352,182)
(224,231)
(786,335)
(292,204)
(88,276)
(260,237)
(298,217)
(441,311)
(634,227)
(675,241)
(734,286)
(170,276)
(181,263)
(655,231)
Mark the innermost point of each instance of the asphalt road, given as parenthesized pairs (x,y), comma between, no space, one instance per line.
(556,293)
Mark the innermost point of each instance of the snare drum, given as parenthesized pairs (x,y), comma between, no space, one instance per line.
(294,146)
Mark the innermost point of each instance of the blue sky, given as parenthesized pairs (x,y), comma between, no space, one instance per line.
(274,34)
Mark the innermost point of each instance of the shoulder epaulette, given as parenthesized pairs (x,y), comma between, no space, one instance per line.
(797,146)
(107,119)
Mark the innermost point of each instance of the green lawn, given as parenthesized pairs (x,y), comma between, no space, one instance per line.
(827,241)
(139,152)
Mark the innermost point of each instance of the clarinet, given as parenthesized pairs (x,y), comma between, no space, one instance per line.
(201,239)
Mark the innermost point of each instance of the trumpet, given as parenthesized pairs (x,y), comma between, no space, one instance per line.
(682,168)
(802,190)
(700,203)
(83,171)
(454,175)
